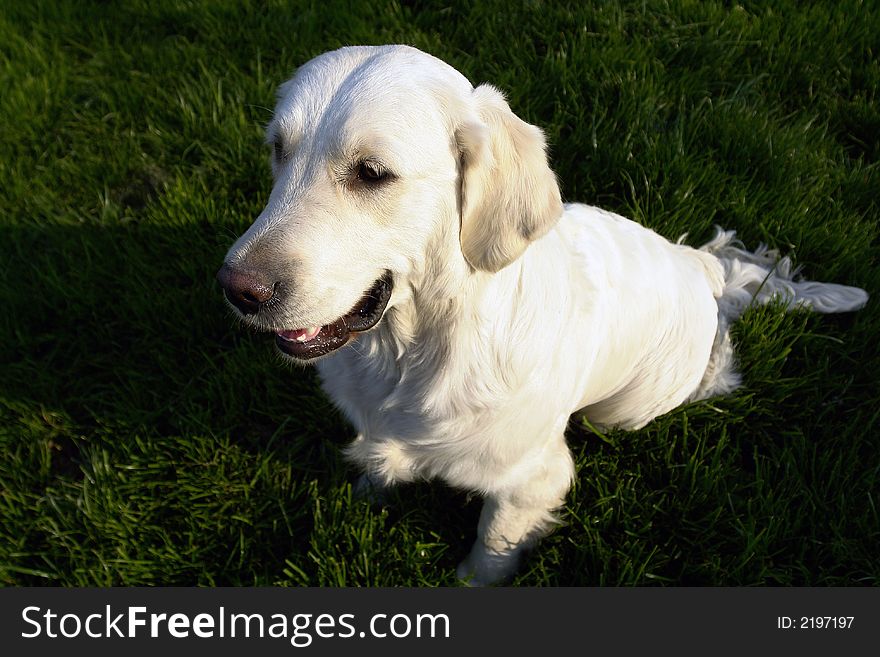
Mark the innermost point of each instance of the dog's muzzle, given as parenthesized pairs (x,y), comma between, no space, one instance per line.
(309,343)
(250,293)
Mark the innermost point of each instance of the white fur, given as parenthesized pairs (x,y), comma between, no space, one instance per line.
(509,312)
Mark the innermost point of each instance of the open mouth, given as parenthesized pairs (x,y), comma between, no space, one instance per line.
(309,343)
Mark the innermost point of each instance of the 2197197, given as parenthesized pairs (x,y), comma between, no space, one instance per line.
(814,622)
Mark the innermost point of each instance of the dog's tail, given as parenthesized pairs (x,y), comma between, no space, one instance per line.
(757,277)
(760,276)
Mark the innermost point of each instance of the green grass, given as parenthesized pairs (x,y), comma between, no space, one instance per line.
(145,439)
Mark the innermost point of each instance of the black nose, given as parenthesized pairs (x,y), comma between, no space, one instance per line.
(247,290)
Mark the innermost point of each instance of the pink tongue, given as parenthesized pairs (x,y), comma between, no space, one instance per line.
(300,335)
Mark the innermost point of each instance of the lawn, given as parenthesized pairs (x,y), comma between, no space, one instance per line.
(145,438)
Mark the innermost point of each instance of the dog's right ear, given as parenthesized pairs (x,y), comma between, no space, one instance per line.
(509,195)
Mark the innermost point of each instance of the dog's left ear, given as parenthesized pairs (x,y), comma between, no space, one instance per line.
(509,195)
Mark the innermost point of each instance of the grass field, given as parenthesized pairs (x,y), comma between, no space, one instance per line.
(145,439)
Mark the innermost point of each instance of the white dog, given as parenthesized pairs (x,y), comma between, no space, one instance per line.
(415,248)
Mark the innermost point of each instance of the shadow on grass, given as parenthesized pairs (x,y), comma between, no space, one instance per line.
(124,372)
(125,325)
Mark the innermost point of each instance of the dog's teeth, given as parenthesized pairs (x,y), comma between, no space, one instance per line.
(300,335)
(309,334)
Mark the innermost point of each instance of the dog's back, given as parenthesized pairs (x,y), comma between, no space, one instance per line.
(673,345)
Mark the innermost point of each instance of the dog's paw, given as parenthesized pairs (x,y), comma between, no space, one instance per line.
(485,568)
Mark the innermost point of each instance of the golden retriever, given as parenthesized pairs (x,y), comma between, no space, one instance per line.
(416,249)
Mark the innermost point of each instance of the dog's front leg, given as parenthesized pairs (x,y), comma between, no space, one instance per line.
(515,517)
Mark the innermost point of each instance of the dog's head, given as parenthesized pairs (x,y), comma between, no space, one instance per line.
(389,167)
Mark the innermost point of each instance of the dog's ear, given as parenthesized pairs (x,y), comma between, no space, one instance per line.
(509,195)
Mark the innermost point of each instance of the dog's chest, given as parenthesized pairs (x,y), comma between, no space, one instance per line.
(414,420)
(384,397)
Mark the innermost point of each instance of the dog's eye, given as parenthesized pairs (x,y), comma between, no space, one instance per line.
(280,153)
(371,172)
